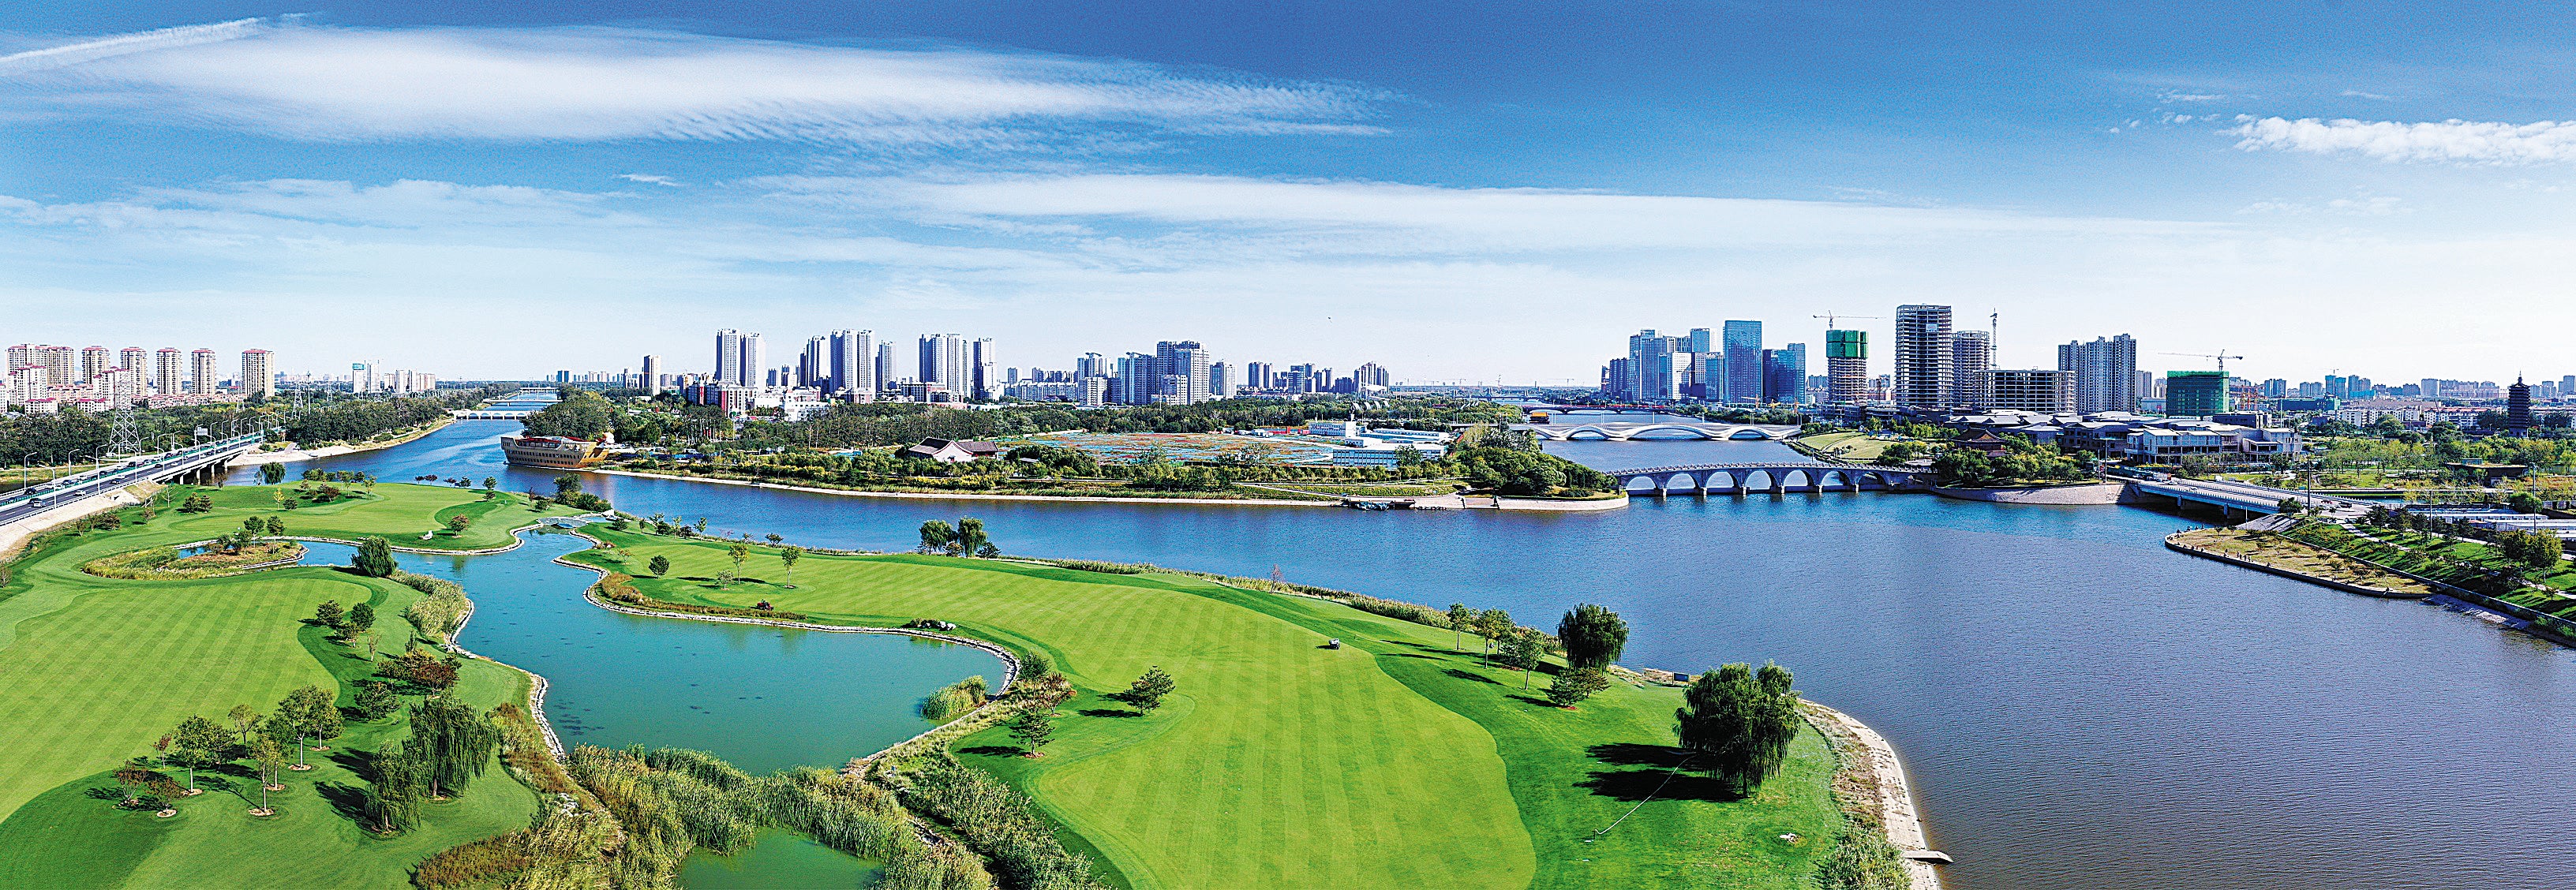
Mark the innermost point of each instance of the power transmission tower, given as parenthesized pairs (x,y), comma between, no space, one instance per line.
(123,436)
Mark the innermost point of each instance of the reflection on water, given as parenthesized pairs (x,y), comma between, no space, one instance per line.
(2079,707)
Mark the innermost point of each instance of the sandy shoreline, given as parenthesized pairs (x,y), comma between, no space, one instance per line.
(1895,803)
(292,455)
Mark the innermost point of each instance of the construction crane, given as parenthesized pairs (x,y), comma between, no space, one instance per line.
(1830,315)
(2221,356)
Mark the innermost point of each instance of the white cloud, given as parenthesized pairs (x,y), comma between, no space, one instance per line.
(349,84)
(649,179)
(2357,94)
(1399,219)
(2473,142)
(2170,96)
(67,55)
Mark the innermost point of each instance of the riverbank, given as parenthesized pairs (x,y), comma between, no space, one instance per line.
(2077,494)
(15,535)
(1872,780)
(2272,554)
(292,455)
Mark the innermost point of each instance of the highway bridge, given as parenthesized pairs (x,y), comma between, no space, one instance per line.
(2239,497)
(207,460)
(1622,432)
(1779,477)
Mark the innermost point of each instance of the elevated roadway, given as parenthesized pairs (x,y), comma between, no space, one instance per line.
(207,459)
(2243,496)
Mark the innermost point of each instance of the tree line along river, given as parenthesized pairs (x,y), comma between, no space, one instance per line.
(2077,706)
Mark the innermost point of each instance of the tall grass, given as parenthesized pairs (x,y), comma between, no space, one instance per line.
(1002,824)
(441,607)
(955,699)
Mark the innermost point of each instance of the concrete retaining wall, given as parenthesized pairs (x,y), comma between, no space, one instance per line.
(2061,495)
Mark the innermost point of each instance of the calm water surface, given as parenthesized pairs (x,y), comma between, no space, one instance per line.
(2078,706)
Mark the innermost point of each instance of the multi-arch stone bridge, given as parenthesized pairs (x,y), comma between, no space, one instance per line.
(1621,432)
(1770,478)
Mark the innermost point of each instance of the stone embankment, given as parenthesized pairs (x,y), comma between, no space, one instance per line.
(292,455)
(2082,494)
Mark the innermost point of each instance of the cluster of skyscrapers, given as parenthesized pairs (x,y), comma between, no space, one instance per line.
(48,378)
(1935,365)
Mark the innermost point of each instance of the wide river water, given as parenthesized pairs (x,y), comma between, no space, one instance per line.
(2078,707)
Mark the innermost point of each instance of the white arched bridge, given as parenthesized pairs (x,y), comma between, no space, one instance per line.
(1621,432)
(1770,478)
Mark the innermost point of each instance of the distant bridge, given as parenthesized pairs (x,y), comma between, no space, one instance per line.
(490,414)
(1771,478)
(1622,432)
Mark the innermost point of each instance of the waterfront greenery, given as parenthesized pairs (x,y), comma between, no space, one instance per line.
(1593,636)
(1408,744)
(1738,724)
(73,645)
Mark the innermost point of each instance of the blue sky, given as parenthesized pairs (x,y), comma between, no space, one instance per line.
(1470,191)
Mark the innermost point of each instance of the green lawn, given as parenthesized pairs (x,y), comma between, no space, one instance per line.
(1854,447)
(1390,762)
(93,669)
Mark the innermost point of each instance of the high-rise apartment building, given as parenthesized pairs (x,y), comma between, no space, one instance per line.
(943,363)
(1257,375)
(1180,372)
(853,371)
(60,363)
(136,358)
(201,372)
(983,370)
(257,379)
(1847,366)
(1922,355)
(729,356)
(755,360)
(2029,390)
(1220,380)
(652,381)
(1744,371)
(814,364)
(1972,354)
(2104,373)
(885,366)
(167,377)
(1372,374)
(93,362)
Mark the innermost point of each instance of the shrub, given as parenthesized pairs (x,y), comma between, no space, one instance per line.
(999,822)
(441,607)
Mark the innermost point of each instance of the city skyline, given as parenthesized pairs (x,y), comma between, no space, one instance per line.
(1047,178)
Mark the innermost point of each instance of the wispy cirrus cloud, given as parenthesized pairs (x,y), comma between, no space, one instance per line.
(578,84)
(2458,141)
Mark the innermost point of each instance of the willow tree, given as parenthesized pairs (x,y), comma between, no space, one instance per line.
(1739,724)
(393,798)
(1593,636)
(452,742)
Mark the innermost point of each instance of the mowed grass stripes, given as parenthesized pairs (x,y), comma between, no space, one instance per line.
(1279,763)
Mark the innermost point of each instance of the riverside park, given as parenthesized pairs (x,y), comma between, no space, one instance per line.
(1302,738)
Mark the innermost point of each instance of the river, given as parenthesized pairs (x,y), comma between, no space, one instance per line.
(2077,706)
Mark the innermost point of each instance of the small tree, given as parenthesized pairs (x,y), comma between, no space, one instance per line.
(1573,686)
(276,526)
(361,618)
(935,536)
(254,526)
(491,483)
(269,763)
(1460,618)
(376,701)
(738,552)
(1034,728)
(787,556)
(773,538)
(660,565)
(1148,690)
(1492,624)
(458,522)
(2288,507)
(567,485)
(1593,637)
(272,473)
(329,614)
(1524,649)
(242,717)
(133,780)
(375,558)
(199,745)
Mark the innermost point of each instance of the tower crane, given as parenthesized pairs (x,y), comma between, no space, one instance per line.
(2221,356)
(1830,315)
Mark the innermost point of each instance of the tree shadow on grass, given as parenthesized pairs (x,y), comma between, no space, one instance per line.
(1536,700)
(1416,655)
(1106,712)
(358,763)
(992,751)
(1664,774)
(1467,675)
(350,801)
